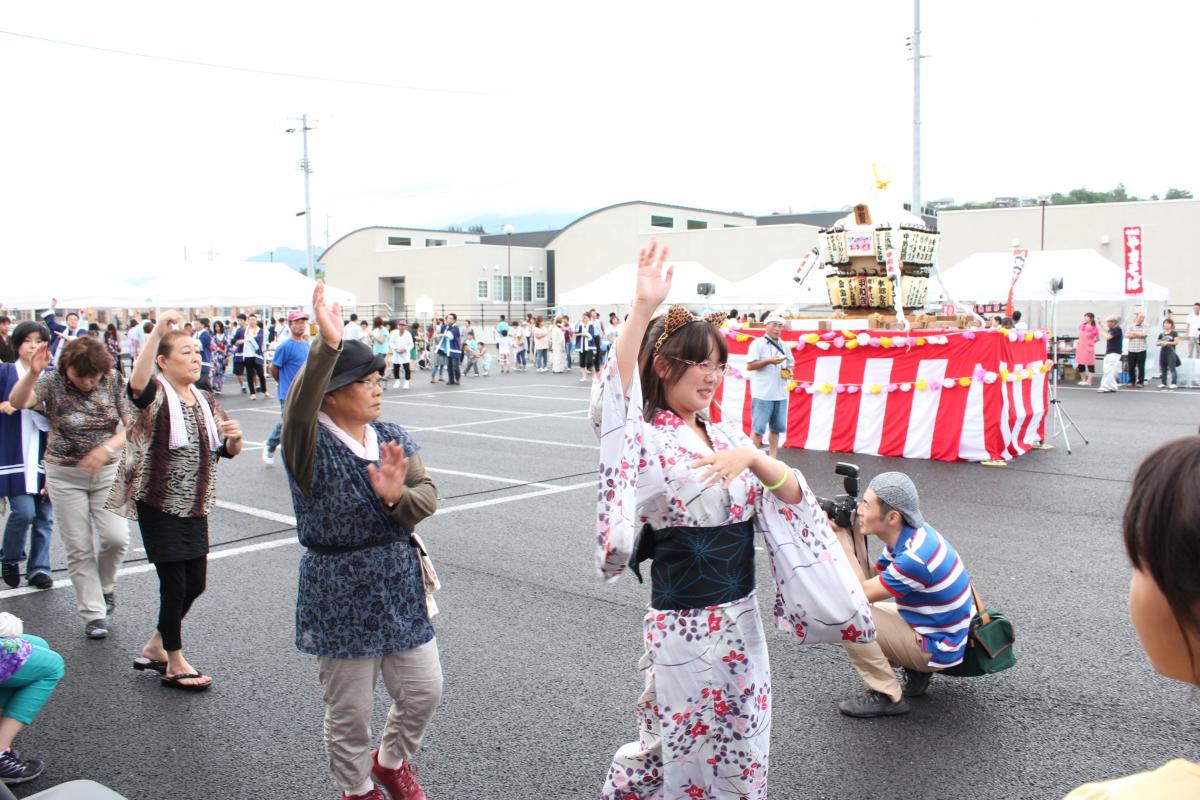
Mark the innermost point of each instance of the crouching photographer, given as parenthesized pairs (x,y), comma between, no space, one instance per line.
(920,598)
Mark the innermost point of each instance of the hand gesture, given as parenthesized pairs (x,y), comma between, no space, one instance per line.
(723,466)
(40,359)
(166,321)
(7,408)
(96,459)
(329,320)
(229,429)
(388,478)
(652,285)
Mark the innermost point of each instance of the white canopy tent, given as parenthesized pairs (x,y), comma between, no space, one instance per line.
(775,287)
(73,287)
(614,289)
(236,283)
(1090,283)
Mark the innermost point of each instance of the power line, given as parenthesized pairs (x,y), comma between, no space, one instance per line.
(253,70)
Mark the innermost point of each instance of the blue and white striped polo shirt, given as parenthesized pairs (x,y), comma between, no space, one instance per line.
(933,592)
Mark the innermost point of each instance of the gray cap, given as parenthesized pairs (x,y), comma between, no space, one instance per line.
(897,490)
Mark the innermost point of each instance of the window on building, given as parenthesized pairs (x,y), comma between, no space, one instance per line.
(522,289)
(435,242)
(500,289)
(697,225)
(481,289)
(541,291)
(662,222)
(731,225)
(400,241)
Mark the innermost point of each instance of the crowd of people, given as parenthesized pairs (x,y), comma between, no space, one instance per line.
(85,447)
(1130,345)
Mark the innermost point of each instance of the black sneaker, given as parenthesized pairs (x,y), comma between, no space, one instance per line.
(40,580)
(14,769)
(11,573)
(916,683)
(96,629)
(110,602)
(873,704)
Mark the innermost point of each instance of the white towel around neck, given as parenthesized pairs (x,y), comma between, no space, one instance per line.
(368,450)
(179,437)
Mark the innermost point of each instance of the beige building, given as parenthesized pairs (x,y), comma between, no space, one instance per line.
(418,271)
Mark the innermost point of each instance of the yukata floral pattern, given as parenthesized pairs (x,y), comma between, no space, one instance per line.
(704,719)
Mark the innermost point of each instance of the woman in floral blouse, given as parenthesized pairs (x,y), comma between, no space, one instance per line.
(84,401)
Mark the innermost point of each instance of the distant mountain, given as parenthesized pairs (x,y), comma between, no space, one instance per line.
(287,255)
(523,223)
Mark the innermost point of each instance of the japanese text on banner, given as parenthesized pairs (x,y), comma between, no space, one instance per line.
(1133,259)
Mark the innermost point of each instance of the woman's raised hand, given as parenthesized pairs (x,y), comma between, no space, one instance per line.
(652,285)
(329,320)
(40,358)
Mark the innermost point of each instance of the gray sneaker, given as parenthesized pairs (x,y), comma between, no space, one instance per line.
(96,628)
(873,704)
(916,683)
(110,602)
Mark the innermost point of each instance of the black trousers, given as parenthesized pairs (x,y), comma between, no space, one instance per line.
(1137,368)
(179,584)
(254,367)
(407,371)
(454,370)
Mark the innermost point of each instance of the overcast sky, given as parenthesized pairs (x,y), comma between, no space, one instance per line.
(531,107)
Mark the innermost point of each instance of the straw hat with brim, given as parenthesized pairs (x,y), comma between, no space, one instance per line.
(356,361)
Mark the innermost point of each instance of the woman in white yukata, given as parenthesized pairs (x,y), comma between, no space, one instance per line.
(690,494)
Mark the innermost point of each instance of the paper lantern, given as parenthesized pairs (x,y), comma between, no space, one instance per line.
(864,339)
(949,383)
(906,387)
(920,341)
(852,344)
(921,384)
(874,388)
(964,381)
(824,345)
(885,341)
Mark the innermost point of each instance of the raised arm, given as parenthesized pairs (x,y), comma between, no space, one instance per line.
(22,395)
(649,293)
(308,390)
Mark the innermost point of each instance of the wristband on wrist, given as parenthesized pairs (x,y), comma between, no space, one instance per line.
(782,479)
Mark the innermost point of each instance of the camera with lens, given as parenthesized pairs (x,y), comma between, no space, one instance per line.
(841,508)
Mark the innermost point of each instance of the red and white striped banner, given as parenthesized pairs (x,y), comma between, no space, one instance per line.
(945,395)
(1134,268)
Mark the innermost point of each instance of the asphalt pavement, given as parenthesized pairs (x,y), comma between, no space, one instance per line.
(540,657)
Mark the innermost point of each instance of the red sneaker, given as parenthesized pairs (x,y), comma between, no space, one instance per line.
(374,794)
(401,782)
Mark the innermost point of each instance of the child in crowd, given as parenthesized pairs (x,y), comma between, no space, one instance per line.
(29,671)
(505,345)
(1163,544)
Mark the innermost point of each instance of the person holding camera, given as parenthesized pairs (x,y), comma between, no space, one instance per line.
(920,599)
(770,368)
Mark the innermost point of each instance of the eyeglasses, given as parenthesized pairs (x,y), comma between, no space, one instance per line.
(371,383)
(706,367)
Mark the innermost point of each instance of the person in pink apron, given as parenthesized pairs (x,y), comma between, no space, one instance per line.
(1085,349)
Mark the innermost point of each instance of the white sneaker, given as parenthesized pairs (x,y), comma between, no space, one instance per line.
(1173,386)
(396,383)
(267,457)
(406,384)
(1162,386)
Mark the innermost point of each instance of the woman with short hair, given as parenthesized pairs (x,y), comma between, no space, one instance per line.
(22,474)
(167,482)
(85,404)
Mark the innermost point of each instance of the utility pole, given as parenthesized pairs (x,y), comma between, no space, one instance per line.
(306,168)
(916,59)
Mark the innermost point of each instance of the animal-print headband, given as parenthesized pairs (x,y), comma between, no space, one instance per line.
(678,316)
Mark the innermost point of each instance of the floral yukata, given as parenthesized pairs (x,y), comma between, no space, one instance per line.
(704,719)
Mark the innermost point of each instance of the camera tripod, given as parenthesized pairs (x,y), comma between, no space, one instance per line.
(1061,417)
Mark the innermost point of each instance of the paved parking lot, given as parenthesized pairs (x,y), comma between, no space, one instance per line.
(540,657)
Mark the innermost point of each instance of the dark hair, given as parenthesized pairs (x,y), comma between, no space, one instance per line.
(147,326)
(26,329)
(1170,321)
(1162,529)
(693,342)
(1016,316)
(4,319)
(1006,322)
(377,322)
(86,357)
(74,314)
(241,316)
(111,332)
(218,327)
(1090,316)
(167,343)
(354,317)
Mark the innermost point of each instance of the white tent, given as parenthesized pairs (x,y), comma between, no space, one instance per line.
(615,288)
(1090,283)
(775,286)
(1087,277)
(73,287)
(235,283)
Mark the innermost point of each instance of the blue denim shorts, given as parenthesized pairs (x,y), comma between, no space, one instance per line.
(764,412)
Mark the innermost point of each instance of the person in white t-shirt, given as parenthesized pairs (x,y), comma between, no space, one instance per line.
(400,341)
(352,332)
(1193,338)
(770,364)
(505,344)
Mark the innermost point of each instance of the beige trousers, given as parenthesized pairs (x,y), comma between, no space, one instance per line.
(95,539)
(413,679)
(896,644)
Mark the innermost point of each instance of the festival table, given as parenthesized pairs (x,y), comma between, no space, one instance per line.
(947,395)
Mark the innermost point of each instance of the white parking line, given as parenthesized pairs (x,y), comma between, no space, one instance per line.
(495,478)
(514,438)
(291,522)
